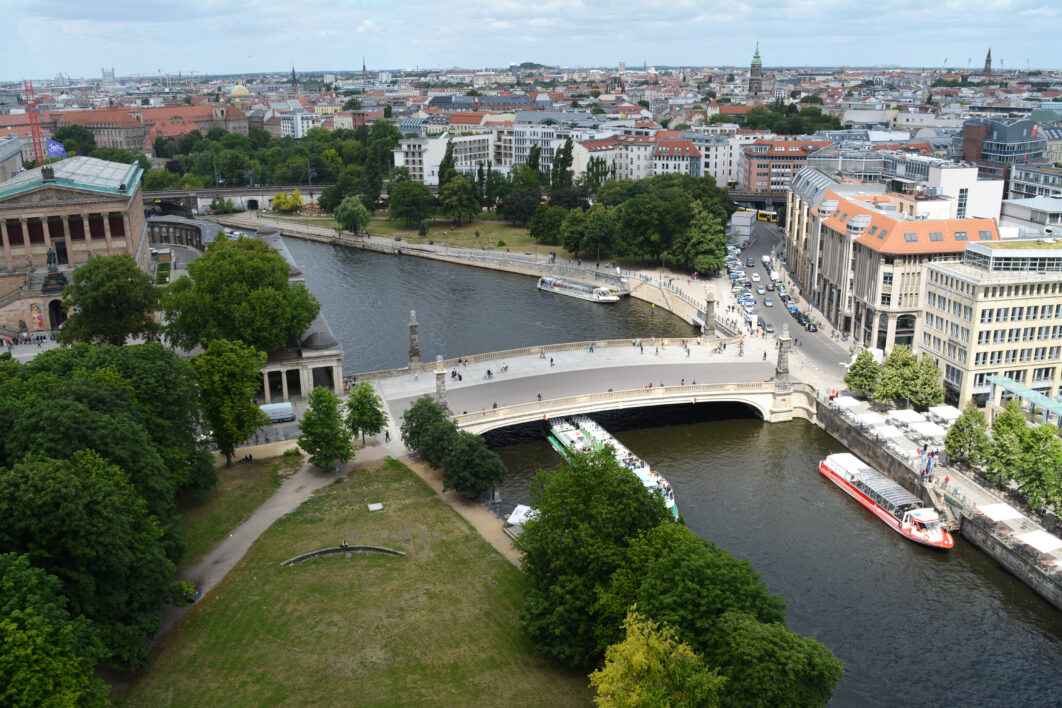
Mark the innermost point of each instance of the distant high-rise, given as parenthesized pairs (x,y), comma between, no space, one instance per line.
(364,73)
(108,76)
(988,61)
(755,76)
(622,66)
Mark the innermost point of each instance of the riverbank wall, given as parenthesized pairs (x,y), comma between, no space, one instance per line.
(1039,576)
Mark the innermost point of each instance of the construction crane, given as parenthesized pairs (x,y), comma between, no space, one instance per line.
(35,126)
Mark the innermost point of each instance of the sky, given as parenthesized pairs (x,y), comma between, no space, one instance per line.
(148,37)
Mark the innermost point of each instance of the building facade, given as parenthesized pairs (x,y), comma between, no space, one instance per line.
(997,311)
(771,165)
(997,146)
(1028,181)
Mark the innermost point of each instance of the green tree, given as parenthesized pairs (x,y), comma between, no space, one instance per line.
(561,170)
(111,300)
(365,411)
(387,111)
(322,432)
(967,439)
(898,372)
(598,171)
(573,231)
(76,139)
(589,510)
(521,204)
(46,658)
(676,577)
(702,246)
(351,215)
(926,389)
(458,200)
(229,375)
(411,202)
(83,522)
(533,157)
(495,187)
(351,104)
(470,467)
(652,668)
(545,225)
(767,665)
(437,442)
(863,374)
(417,420)
(447,169)
(600,229)
(1038,468)
(159,179)
(238,290)
(288,201)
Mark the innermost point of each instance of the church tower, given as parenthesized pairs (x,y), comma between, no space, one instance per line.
(294,81)
(988,62)
(755,77)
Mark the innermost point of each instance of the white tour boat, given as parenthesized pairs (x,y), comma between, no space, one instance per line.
(571,288)
(580,434)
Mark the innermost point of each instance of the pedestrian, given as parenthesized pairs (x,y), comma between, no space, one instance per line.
(495,405)
(416,375)
(641,349)
(387,436)
(460,377)
(540,396)
(551,361)
(682,382)
(765,356)
(658,351)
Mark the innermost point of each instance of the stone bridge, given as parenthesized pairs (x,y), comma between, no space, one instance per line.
(186,202)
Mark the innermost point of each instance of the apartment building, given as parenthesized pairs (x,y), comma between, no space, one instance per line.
(771,165)
(997,146)
(997,311)
(297,124)
(1028,181)
(1037,215)
(549,130)
(422,156)
(635,159)
(672,156)
(858,251)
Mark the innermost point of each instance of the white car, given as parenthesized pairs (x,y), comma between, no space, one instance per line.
(760,289)
(768,302)
(755,277)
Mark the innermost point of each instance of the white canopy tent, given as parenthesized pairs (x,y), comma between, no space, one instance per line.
(887,431)
(870,418)
(1000,512)
(906,416)
(521,514)
(845,401)
(928,430)
(948,414)
(1042,541)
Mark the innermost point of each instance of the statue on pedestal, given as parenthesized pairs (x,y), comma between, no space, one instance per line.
(51,260)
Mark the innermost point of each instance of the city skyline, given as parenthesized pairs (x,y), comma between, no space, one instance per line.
(263,36)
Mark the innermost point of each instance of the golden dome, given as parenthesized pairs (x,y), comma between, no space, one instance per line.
(239,90)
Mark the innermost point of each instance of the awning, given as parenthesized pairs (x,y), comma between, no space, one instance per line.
(521,514)
(870,418)
(1042,541)
(928,430)
(1000,512)
(887,431)
(906,416)
(845,401)
(945,413)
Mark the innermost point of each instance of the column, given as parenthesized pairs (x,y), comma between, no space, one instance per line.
(284,384)
(7,244)
(781,369)
(265,376)
(88,234)
(305,381)
(24,225)
(64,219)
(47,233)
(440,382)
(337,378)
(107,233)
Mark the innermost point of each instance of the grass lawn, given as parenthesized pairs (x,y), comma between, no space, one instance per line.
(208,518)
(516,238)
(438,626)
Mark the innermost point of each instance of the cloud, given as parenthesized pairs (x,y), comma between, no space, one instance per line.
(368,26)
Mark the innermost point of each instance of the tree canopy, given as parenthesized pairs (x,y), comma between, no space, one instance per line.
(229,375)
(365,412)
(323,436)
(458,199)
(863,375)
(238,290)
(351,215)
(411,202)
(111,300)
(469,467)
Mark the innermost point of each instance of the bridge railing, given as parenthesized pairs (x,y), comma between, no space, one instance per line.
(545,349)
(545,407)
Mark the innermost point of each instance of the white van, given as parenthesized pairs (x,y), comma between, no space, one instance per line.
(774,276)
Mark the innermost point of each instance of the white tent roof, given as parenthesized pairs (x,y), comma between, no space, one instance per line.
(929,430)
(1042,541)
(906,415)
(870,418)
(521,514)
(1000,512)
(887,431)
(948,413)
(846,401)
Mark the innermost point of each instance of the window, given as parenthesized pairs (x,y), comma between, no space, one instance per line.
(936,236)
(983,336)
(881,235)
(1011,356)
(1032,312)
(980,359)
(985,235)
(910,237)
(986,315)
(1016,313)
(1013,334)
(1003,314)
(1026,355)
(886,299)
(995,357)
(886,279)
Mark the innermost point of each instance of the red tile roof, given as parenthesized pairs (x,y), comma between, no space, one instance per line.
(676,148)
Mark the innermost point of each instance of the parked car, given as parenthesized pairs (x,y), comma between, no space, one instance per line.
(811,327)
(802,319)
(770,286)
(756,277)
(768,328)
(747,300)
(750,261)
(794,310)
(768,302)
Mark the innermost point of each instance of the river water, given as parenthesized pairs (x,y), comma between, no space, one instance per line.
(913,626)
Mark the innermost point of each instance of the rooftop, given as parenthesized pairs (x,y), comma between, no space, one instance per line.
(1026,244)
(84,173)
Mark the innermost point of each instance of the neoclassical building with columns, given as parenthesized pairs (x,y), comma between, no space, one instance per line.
(54,218)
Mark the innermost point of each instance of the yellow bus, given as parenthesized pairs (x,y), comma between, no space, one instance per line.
(764,215)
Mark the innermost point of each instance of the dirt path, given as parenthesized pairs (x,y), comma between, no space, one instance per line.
(486,524)
(294,490)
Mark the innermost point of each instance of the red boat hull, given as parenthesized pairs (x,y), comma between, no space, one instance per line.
(944,544)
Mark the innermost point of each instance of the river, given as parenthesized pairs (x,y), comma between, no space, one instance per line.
(913,626)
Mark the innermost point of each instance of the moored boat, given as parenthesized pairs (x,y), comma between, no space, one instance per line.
(572,288)
(900,510)
(581,434)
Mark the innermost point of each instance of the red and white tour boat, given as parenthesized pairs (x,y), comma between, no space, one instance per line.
(902,511)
